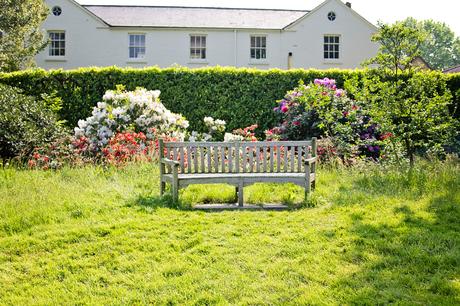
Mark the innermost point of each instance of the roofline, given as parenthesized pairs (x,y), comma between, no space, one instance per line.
(324,3)
(195,7)
(451,68)
(198,28)
(83,8)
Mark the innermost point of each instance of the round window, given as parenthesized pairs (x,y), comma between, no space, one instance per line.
(331,16)
(57,11)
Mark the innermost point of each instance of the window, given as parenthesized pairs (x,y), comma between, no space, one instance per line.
(197,47)
(57,11)
(331,16)
(258,47)
(136,46)
(57,44)
(331,46)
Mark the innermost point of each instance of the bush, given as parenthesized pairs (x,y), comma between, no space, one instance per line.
(25,123)
(322,109)
(239,96)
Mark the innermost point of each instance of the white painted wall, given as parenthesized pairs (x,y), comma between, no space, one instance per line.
(305,38)
(89,42)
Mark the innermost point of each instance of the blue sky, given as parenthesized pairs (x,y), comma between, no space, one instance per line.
(388,11)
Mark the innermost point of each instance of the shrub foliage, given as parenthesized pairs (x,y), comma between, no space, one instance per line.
(25,123)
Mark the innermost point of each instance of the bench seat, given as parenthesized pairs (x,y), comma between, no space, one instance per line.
(236,178)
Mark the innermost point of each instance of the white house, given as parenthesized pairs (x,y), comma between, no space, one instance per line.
(331,35)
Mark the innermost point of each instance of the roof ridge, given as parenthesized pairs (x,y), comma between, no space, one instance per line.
(195,7)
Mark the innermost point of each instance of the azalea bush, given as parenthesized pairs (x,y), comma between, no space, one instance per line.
(135,111)
(216,129)
(320,109)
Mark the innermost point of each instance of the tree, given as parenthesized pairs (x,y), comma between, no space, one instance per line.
(21,37)
(411,106)
(441,48)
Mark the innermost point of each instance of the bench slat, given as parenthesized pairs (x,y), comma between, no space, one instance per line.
(202,160)
(216,159)
(299,159)
(286,153)
(195,160)
(293,159)
(222,159)
(278,159)
(208,154)
(189,159)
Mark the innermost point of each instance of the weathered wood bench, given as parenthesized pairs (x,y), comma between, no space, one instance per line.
(237,163)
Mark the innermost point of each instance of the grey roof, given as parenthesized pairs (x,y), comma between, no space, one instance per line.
(194,17)
(455,69)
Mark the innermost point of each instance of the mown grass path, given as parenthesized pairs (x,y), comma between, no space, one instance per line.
(93,236)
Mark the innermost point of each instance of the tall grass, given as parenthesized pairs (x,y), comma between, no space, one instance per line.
(377,235)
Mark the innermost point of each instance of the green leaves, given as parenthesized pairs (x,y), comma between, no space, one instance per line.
(22,39)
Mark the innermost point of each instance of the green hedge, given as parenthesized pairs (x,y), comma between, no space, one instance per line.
(240,96)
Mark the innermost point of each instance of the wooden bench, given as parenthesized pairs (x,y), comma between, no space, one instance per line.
(237,163)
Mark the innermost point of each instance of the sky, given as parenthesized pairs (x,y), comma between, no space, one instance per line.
(387,11)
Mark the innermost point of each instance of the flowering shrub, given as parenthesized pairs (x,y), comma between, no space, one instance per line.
(216,128)
(121,111)
(320,109)
(247,133)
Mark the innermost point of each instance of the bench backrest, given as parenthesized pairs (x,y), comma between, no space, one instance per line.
(239,157)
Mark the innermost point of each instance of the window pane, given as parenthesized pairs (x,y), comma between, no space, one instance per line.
(253,53)
(336,39)
(326,39)
(264,42)
(253,41)
(263,53)
(203,41)
(257,53)
(203,53)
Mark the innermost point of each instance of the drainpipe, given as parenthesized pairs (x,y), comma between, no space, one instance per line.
(236,47)
(289,65)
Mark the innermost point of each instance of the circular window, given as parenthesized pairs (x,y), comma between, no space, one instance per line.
(331,16)
(57,11)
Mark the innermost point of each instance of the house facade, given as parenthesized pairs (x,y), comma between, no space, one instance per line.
(331,35)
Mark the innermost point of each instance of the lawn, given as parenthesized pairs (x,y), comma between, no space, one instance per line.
(94,236)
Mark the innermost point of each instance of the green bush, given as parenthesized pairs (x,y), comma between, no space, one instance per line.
(25,123)
(241,96)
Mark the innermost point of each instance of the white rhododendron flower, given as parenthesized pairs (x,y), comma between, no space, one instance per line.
(139,110)
(228,137)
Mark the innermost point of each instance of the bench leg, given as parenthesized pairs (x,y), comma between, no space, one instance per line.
(162,188)
(175,191)
(240,194)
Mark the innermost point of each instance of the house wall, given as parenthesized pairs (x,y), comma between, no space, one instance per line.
(89,42)
(305,38)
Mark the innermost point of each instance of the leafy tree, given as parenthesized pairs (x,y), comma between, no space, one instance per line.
(412,106)
(441,48)
(21,37)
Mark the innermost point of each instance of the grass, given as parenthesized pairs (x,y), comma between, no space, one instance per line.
(94,236)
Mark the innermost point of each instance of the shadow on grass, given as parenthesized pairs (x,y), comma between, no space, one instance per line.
(152,203)
(413,258)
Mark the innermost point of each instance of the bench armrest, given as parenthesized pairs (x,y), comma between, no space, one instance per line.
(311,160)
(169,162)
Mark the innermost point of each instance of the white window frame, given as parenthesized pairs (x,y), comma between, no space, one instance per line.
(258,50)
(199,50)
(59,48)
(332,47)
(137,46)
